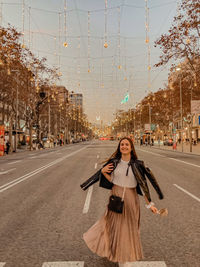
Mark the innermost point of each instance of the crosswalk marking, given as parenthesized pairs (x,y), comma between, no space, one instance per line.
(145,264)
(64,264)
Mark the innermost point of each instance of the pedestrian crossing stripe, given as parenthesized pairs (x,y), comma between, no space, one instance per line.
(81,264)
(64,264)
(147,264)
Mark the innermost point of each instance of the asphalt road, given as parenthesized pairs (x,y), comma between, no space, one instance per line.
(42,205)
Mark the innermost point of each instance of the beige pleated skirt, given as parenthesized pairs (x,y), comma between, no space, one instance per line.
(117,236)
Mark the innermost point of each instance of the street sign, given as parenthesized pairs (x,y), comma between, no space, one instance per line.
(153,127)
(147,127)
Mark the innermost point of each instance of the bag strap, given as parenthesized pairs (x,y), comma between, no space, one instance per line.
(123,193)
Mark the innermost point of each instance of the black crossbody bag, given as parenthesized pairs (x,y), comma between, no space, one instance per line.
(116,203)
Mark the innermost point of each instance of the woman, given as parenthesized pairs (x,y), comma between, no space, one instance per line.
(117,236)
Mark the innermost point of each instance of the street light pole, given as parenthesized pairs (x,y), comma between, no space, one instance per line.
(150,124)
(181,111)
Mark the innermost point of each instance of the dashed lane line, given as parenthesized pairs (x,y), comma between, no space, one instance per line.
(28,175)
(14,162)
(64,264)
(5,172)
(95,165)
(188,193)
(87,201)
(2,264)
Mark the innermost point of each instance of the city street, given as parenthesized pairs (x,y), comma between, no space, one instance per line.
(44,212)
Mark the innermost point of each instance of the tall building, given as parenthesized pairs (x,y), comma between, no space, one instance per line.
(76,100)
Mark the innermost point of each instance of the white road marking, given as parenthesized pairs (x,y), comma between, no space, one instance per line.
(31,154)
(185,191)
(2,264)
(64,264)
(87,201)
(28,175)
(33,157)
(151,153)
(95,165)
(146,264)
(198,166)
(97,156)
(5,172)
(14,162)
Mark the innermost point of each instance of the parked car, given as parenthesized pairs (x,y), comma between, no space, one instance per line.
(168,142)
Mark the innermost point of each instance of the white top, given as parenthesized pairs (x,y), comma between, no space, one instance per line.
(118,176)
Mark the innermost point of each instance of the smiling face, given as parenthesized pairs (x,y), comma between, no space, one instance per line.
(125,147)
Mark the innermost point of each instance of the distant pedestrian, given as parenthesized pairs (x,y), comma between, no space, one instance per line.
(7,147)
(117,234)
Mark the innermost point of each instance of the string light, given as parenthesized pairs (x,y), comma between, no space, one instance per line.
(29,27)
(65,44)
(148,44)
(23,18)
(105,33)
(119,44)
(89,42)
(1,13)
(59,44)
(79,61)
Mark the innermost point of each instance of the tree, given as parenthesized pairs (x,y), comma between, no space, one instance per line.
(182,39)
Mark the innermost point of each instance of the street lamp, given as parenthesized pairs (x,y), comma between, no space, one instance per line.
(181,109)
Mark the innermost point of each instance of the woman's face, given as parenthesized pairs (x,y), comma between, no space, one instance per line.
(125,147)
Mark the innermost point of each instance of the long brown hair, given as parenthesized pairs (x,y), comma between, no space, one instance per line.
(117,154)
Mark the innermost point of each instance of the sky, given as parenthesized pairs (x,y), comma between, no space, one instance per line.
(105,85)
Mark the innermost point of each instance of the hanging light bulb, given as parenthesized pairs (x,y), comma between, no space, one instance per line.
(23,46)
(125,78)
(8,71)
(105,45)
(89,70)
(188,41)
(119,67)
(149,67)
(65,44)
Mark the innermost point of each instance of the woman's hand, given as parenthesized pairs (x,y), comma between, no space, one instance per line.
(107,168)
(154,209)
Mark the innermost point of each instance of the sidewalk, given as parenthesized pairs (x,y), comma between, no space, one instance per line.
(186,148)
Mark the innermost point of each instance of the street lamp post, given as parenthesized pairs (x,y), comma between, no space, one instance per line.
(181,109)
(150,124)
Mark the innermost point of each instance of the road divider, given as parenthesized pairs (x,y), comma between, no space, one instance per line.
(28,175)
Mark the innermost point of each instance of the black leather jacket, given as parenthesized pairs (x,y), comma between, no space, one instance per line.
(140,172)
